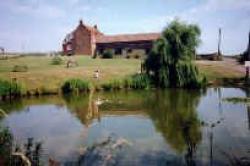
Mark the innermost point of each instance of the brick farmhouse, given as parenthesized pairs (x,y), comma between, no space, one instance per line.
(87,40)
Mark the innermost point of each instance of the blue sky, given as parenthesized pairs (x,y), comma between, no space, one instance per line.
(40,25)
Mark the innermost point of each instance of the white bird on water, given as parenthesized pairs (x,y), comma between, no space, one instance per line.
(99,101)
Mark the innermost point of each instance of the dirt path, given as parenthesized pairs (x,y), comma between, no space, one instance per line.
(235,65)
(228,68)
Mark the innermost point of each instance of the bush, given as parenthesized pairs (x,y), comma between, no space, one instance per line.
(75,85)
(57,60)
(106,86)
(112,85)
(19,68)
(139,81)
(137,56)
(127,83)
(9,89)
(108,54)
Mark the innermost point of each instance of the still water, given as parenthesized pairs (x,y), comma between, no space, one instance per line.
(173,127)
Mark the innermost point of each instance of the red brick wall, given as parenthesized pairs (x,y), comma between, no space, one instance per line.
(82,41)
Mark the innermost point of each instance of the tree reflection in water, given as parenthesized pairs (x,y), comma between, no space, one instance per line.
(174,115)
(248,107)
(172,112)
(84,107)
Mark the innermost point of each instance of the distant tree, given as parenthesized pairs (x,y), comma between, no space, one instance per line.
(1,50)
(245,56)
(170,61)
(108,54)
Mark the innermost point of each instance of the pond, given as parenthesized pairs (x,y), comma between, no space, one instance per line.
(172,127)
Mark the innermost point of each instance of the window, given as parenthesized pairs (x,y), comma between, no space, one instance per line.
(118,51)
(101,51)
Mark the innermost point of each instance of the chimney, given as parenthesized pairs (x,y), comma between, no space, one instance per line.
(95,26)
(80,22)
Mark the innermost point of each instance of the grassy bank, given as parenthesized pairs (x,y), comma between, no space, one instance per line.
(41,75)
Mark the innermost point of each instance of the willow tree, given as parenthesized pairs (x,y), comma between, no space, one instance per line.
(170,61)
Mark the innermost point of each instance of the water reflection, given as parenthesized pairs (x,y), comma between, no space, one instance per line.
(172,112)
(248,107)
(178,127)
(174,115)
(84,107)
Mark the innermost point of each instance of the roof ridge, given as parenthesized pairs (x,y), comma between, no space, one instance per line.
(128,34)
(128,37)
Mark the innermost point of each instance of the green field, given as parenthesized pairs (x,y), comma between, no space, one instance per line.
(42,74)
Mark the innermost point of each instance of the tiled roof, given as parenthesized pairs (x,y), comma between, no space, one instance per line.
(127,37)
(93,29)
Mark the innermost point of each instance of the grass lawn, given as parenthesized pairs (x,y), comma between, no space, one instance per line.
(42,74)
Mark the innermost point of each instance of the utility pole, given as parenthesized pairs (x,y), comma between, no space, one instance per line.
(248,49)
(219,45)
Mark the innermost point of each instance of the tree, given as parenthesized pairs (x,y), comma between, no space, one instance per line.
(108,54)
(170,61)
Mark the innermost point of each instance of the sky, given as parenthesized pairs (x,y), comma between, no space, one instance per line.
(41,25)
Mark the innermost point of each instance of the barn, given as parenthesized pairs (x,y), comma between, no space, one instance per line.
(87,40)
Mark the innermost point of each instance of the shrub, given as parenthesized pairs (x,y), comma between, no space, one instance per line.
(9,89)
(127,83)
(112,85)
(140,81)
(137,56)
(108,54)
(57,60)
(20,68)
(75,85)
(106,86)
